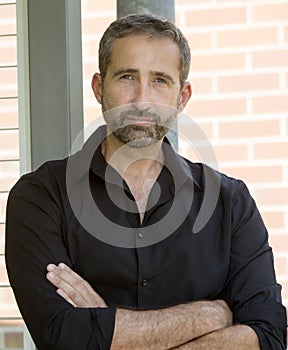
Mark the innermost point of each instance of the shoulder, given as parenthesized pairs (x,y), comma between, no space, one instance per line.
(206,175)
(48,178)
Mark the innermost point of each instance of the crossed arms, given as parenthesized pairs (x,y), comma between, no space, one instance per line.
(76,318)
(198,325)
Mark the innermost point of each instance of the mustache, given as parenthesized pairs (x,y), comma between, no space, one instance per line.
(139,113)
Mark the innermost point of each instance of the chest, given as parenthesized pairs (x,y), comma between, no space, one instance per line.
(179,267)
(140,189)
(184,267)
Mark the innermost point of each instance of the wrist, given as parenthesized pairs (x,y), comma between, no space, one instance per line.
(212,316)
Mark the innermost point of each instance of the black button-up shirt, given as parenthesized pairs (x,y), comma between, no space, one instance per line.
(164,261)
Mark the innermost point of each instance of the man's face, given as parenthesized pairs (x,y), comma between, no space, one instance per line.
(142,79)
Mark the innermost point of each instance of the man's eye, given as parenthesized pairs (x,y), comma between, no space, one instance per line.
(126,77)
(160,81)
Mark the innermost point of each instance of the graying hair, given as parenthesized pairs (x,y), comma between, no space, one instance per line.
(151,26)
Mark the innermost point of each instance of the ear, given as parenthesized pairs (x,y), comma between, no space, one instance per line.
(97,86)
(185,94)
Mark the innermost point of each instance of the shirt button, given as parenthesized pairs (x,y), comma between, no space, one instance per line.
(140,235)
(144,283)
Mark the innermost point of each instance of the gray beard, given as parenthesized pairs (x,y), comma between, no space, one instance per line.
(137,136)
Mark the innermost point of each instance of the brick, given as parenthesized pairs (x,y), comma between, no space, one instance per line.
(8,303)
(11,323)
(270,104)
(218,62)
(201,86)
(8,51)
(199,41)
(177,17)
(247,37)
(3,273)
(9,168)
(286,34)
(90,113)
(216,17)
(251,82)
(271,150)
(88,71)
(2,238)
(9,144)
(186,139)
(256,174)
(3,200)
(228,153)
(284,284)
(248,129)
(92,47)
(197,153)
(8,113)
(188,2)
(9,174)
(272,196)
(271,58)
(98,6)
(274,220)
(8,85)
(188,151)
(6,183)
(281,265)
(279,242)
(88,93)
(206,128)
(214,107)
(270,13)
(8,19)
(96,25)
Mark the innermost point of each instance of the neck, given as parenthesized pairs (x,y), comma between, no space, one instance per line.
(132,162)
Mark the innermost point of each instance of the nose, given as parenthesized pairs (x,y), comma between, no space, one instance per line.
(142,93)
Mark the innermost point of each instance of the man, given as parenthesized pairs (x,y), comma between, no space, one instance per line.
(122,272)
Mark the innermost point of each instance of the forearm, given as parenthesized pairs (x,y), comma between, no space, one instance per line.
(154,329)
(239,337)
(170,327)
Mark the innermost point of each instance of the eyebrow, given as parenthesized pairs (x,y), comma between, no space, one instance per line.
(156,73)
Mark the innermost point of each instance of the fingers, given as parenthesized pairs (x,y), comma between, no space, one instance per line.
(65,296)
(70,284)
(72,287)
(63,275)
(67,291)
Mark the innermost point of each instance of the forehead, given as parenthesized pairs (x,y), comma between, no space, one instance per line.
(140,50)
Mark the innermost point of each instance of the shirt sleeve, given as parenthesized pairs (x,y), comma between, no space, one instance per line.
(34,226)
(251,290)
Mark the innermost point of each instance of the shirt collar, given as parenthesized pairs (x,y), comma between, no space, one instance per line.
(90,159)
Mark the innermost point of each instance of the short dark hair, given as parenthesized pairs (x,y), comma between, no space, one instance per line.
(153,27)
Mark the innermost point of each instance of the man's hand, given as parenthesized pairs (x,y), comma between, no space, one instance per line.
(154,329)
(72,287)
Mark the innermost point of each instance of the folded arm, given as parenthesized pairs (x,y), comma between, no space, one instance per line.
(154,329)
(54,323)
(238,337)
